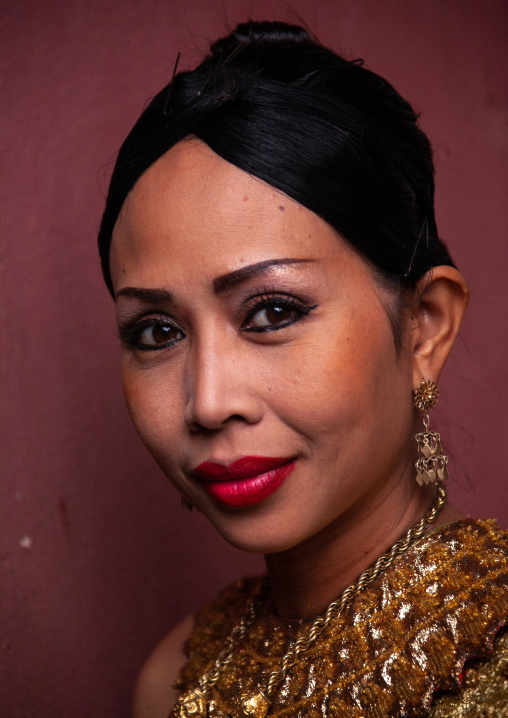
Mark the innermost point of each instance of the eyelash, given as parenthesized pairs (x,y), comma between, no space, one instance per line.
(130,334)
(270,299)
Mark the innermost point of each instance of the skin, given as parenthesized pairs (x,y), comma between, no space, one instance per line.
(325,386)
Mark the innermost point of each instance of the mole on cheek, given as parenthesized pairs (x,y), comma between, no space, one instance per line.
(282,208)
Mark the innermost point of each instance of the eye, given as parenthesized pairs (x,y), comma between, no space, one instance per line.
(269,314)
(271,317)
(158,335)
(151,334)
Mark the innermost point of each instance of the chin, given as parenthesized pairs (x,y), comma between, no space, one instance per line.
(254,534)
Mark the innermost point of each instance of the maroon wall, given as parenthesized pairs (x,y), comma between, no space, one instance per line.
(96,558)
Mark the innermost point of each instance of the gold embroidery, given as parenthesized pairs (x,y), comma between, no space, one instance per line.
(484,692)
(405,636)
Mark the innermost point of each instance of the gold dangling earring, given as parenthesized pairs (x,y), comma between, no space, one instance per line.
(431,464)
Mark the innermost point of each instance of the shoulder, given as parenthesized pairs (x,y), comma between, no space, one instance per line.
(484,689)
(154,695)
(456,574)
(183,654)
(212,625)
(463,548)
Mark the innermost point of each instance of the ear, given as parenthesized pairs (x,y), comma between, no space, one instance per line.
(442,297)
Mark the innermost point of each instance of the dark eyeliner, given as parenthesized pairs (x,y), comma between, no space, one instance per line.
(267,299)
(131,332)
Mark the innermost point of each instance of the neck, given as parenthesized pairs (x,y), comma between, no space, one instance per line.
(305,579)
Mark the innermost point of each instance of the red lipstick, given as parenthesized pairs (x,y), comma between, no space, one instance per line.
(244,482)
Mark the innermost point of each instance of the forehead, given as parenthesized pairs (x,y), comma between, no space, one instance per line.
(190,179)
(193,205)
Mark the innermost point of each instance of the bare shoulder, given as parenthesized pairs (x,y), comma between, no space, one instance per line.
(154,695)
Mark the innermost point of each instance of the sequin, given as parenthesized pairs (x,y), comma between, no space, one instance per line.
(399,649)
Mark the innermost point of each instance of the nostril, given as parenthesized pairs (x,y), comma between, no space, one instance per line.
(214,412)
(218,387)
(212,424)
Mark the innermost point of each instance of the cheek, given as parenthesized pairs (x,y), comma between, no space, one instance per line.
(349,381)
(154,408)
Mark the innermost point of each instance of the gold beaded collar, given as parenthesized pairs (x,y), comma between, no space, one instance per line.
(257,703)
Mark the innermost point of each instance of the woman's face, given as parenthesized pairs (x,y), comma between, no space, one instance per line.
(249,329)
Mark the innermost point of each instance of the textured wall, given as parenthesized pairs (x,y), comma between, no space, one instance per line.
(96,558)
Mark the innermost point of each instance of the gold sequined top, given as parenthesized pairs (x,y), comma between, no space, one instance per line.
(426,638)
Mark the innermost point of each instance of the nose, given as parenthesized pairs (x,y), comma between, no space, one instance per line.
(219,388)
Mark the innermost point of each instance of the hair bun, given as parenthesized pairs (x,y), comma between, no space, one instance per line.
(246,33)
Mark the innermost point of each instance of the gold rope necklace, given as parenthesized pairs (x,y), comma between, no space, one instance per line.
(194,703)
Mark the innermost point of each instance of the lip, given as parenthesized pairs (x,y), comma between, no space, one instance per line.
(246,481)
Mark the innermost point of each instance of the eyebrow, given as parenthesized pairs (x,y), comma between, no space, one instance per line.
(233,279)
(151,296)
(220,285)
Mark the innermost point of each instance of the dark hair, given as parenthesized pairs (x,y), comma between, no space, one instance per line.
(329,133)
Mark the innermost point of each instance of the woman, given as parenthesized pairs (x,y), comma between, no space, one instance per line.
(285,308)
